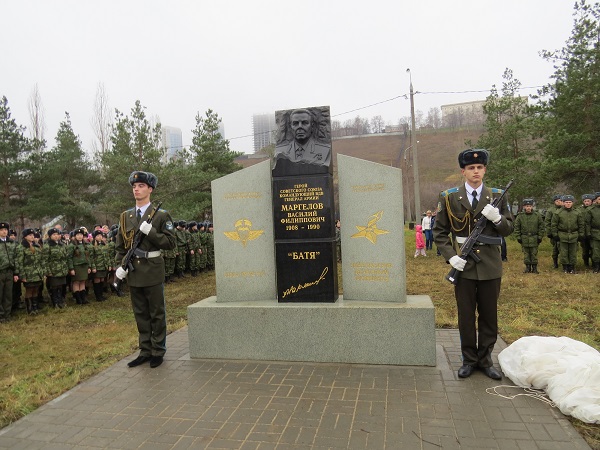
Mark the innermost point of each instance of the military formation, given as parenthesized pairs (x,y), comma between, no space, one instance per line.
(41,269)
(568,227)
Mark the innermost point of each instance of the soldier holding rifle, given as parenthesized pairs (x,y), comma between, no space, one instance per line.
(146,271)
(477,284)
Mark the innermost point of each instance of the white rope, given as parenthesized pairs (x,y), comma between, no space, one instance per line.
(537,394)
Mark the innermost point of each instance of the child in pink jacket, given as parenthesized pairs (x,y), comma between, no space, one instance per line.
(419,241)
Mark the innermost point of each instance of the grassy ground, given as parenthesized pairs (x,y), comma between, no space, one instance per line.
(43,356)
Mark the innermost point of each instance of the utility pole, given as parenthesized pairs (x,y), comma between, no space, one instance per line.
(413,144)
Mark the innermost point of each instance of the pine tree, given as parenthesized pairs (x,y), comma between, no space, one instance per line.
(570,109)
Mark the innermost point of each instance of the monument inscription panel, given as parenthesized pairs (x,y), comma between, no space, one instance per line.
(303,207)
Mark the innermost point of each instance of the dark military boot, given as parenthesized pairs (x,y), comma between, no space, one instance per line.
(555,260)
(84,300)
(527,268)
(534,268)
(98,292)
(571,268)
(77,298)
(29,306)
(35,307)
(172,278)
(566,268)
(597,267)
(586,262)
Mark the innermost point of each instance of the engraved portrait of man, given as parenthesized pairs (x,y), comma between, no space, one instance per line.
(301,136)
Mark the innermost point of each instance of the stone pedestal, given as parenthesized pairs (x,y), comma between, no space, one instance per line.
(346,331)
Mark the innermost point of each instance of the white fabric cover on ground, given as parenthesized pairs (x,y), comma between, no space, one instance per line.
(568,370)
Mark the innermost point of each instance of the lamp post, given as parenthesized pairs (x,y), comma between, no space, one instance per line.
(413,144)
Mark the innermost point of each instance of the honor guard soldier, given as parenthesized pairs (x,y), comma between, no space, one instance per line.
(146,282)
(529,231)
(8,274)
(478,286)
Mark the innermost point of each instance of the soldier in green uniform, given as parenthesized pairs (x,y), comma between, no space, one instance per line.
(568,229)
(529,231)
(194,248)
(146,282)
(210,247)
(592,231)
(8,274)
(548,224)
(56,267)
(478,286)
(202,257)
(101,256)
(29,268)
(170,257)
(182,248)
(586,244)
(80,264)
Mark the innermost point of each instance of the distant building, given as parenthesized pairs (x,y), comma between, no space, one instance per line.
(172,143)
(457,115)
(262,129)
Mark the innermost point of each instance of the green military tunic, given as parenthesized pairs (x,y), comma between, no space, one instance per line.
(29,264)
(592,231)
(567,227)
(146,279)
(529,231)
(8,262)
(478,286)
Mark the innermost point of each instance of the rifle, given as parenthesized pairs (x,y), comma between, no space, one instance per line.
(466,248)
(128,260)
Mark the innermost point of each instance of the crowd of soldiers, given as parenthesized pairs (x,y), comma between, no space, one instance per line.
(79,261)
(566,226)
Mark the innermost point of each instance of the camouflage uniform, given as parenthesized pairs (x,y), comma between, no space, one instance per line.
(568,229)
(195,247)
(592,231)
(529,231)
(586,243)
(30,270)
(102,258)
(7,274)
(210,248)
(203,257)
(182,248)
(548,224)
(54,261)
(170,257)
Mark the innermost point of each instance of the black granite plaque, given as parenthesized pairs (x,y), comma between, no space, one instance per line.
(306,272)
(303,208)
(305,250)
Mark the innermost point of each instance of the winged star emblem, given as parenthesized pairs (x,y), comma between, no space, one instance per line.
(370,231)
(243,232)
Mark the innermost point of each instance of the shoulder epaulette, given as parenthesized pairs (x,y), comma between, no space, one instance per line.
(497,191)
(449,191)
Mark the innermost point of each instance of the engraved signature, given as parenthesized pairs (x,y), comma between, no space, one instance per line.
(294,289)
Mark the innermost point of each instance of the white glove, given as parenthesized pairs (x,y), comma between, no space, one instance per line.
(458,263)
(491,213)
(145,227)
(120,273)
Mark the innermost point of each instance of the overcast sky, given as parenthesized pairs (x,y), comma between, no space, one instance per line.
(242,57)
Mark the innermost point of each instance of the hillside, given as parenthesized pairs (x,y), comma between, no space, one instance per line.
(437,151)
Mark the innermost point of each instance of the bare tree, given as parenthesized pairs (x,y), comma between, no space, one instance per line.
(377,124)
(101,122)
(36,117)
(434,119)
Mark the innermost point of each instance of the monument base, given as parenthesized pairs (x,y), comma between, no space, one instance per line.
(352,331)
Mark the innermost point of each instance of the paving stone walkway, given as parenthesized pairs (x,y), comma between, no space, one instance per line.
(191,404)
